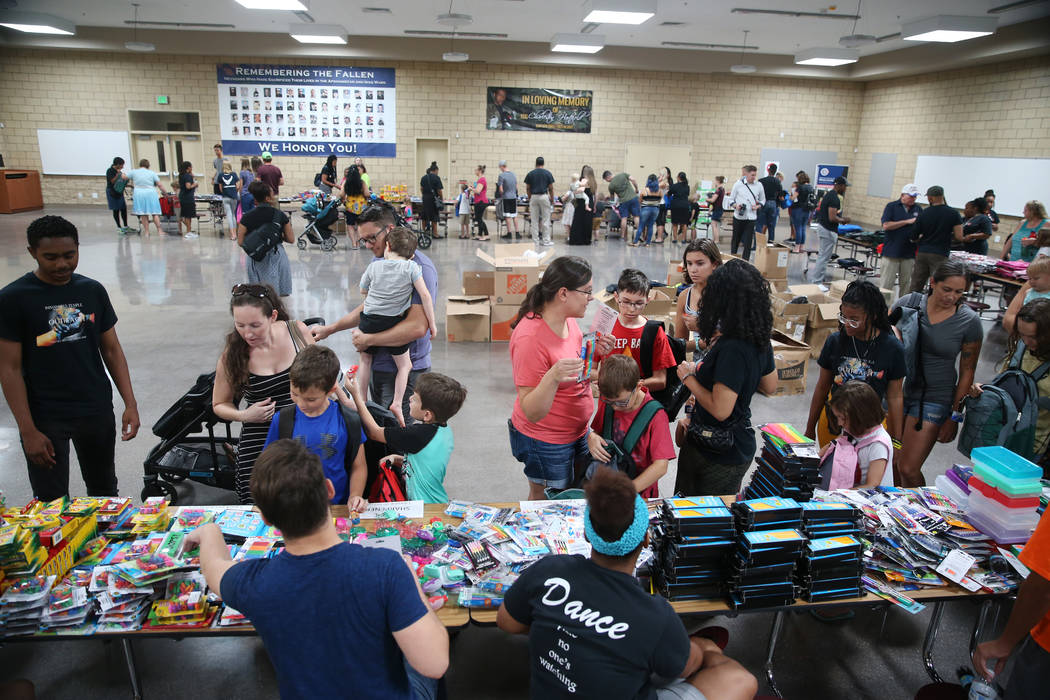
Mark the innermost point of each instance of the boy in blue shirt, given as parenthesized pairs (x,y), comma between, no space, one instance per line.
(428,444)
(327,430)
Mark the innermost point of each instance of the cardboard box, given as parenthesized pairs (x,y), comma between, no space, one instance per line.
(838,288)
(675,270)
(792,362)
(815,339)
(771,259)
(517,267)
(790,319)
(500,317)
(467,319)
(823,309)
(479,283)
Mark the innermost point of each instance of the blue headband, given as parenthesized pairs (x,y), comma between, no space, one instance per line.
(633,536)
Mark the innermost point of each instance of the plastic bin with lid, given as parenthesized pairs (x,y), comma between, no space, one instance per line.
(950,489)
(1028,500)
(1012,518)
(997,532)
(1006,467)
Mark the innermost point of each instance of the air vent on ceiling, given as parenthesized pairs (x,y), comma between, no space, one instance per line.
(376,10)
(671,23)
(197,25)
(304,16)
(589,27)
(464,35)
(793,13)
(694,45)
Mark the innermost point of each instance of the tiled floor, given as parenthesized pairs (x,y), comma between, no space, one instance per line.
(171,296)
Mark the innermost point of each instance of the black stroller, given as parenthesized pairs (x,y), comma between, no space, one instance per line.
(321,213)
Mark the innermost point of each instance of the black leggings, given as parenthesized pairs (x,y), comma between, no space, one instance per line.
(119,214)
(479,216)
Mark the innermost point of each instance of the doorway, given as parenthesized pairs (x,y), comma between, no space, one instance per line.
(436,151)
(167,139)
(644,159)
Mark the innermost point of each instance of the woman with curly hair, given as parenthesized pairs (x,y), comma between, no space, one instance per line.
(254,366)
(735,322)
(865,349)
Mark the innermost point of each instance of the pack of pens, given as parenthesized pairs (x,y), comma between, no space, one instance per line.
(831,568)
(770,513)
(828,519)
(587,352)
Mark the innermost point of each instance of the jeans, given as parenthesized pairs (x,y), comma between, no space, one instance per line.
(800,220)
(229,205)
(828,240)
(546,463)
(743,233)
(645,225)
(93,439)
(925,265)
(382,387)
(897,270)
(768,214)
(540,217)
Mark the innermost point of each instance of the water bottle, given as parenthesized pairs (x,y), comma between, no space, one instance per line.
(981,689)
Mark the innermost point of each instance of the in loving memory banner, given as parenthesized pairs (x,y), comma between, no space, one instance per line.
(539,109)
(307,110)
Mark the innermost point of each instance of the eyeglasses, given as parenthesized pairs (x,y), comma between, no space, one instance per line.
(852,323)
(619,404)
(633,304)
(588,292)
(248,290)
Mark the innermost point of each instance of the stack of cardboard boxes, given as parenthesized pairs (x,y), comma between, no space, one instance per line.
(491,297)
(816,318)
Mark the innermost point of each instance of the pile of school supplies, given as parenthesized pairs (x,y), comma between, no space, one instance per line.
(693,537)
(23,604)
(1004,494)
(831,568)
(788,466)
(955,484)
(769,543)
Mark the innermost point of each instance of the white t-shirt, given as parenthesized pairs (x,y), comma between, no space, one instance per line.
(876,450)
(748,194)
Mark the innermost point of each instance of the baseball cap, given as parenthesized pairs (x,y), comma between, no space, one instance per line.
(910,189)
(935,191)
(841,181)
(266,155)
(502,163)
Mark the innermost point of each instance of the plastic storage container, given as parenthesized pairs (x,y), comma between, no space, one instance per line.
(1007,517)
(997,532)
(949,488)
(1027,501)
(1005,470)
(956,479)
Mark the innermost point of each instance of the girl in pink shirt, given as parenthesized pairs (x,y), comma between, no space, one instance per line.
(548,427)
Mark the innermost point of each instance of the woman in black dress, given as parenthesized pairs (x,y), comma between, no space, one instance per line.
(583,215)
(680,207)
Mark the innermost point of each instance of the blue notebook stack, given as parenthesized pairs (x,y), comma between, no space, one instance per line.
(831,568)
(785,469)
(825,519)
(769,543)
(695,536)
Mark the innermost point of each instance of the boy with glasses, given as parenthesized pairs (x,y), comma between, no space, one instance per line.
(633,331)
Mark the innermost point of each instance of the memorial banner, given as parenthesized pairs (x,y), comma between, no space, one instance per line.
(307,110)
(539,109)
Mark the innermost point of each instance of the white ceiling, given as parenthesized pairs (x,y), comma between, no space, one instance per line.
(528,21)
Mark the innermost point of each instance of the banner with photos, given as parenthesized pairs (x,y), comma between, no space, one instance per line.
(307,110)
(539,109)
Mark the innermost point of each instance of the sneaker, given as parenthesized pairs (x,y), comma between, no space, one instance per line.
(191,234)
(548,243)
(507,237)
(824,288)
(517,236)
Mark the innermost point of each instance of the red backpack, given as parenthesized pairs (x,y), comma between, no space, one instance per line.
(389,485)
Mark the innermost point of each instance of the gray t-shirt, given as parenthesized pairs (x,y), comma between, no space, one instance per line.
(217,163)
(941,344)
(389,284)
(508,185)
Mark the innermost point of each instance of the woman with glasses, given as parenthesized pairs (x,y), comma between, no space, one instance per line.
(863,349)
(274,269)
(949,332)
(554,404)
(735,323)
(254,366)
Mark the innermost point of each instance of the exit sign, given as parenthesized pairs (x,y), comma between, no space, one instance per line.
(162,99)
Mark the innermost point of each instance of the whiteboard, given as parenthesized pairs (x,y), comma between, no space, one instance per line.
(68,152)
(1015,180)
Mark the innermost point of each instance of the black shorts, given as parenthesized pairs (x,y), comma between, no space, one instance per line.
(372,323)
(351,218)
(187,209)
(510,207)
(430,210)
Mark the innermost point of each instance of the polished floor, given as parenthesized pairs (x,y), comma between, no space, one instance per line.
(171,296)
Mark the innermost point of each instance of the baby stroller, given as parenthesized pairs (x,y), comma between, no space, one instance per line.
(321,213)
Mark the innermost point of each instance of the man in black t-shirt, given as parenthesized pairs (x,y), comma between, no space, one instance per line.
(770,211)
(595,633)
(934,230)
(57,330)
(829,216)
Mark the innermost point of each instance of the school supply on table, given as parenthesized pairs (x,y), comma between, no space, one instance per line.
(788,465)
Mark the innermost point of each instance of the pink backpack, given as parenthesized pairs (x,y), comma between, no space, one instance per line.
(840,468)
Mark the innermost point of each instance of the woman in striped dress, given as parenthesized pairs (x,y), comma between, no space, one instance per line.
(254,366)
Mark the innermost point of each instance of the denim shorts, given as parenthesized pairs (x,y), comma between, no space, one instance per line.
(631,208)
(935,413)
(546,463)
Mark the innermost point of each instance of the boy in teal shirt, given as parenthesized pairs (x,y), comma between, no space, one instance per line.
(427,444)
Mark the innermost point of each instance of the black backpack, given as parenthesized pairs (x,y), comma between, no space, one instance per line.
(260,241)
(286,424)
(317,180)
(621,454)
(671,403)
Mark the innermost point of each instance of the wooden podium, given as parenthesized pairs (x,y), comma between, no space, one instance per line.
(20,191)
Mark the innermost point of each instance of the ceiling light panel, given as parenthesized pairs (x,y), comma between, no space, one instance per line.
(948,28)
(577,43)
(619,11)
(37,23)
(826,57)
(289,5)
(318,33)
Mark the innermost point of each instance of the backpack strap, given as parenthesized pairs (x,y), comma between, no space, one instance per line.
(285,422)
(640,424)
(645,350)
(353,436)
(298,341)
(607,423)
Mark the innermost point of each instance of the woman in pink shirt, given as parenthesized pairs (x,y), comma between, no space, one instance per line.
(548,428)
(481,203)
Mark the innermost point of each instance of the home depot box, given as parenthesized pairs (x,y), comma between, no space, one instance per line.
(771,259)
(791,358)
(500,317)
(467,319)
(517,267)
(838,288)
(479,283)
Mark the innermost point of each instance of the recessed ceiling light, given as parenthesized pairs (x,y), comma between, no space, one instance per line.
(619,11)
(455,56)
(290,5)
(140,46)
(37,23)
(948,28)
(577,43)
(318,33)
(743,68)
(826,57)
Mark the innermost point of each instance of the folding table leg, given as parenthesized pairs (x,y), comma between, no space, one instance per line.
(133,672)
(928,642)
(774,634)
(979,624)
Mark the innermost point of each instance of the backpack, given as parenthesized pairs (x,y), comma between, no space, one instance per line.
(621,453)
(665,396)
(810,202)
(119,184)
(317,180)
(286,424)
(389,485)
(260,241)
(1006,411)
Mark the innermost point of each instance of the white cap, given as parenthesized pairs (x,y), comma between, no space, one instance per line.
(910,189)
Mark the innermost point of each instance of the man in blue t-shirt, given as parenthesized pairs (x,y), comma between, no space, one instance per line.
(898,251)
(374,223)
(337,619)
